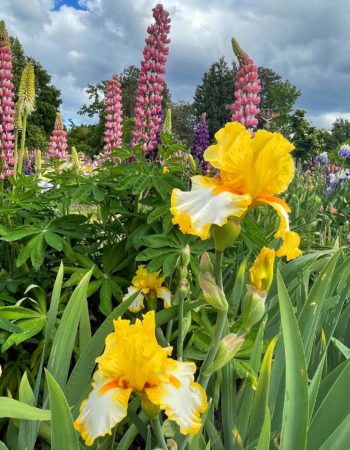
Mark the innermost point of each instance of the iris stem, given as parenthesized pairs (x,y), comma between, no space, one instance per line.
(180,337)
(219,326)
(227,405)
(131,434)
(158,432)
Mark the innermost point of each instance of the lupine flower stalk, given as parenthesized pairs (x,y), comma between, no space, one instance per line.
(26,102)
(149,94)
(6,105)
(58,140)
(114,116)
(247,89)
(37,162)
(201,142)
(166,128)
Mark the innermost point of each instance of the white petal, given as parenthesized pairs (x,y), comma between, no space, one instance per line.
(165,295)
(205,204)
(181,398)
(100,412)
(137,304)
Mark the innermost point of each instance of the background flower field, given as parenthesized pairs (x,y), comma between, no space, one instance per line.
(91,233)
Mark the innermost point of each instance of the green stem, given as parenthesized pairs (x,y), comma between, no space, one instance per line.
(180,336)
(1,192)
(227,406)
(218,268)
(215,341)
(158,432)
(131,434)
(23,141)
(15,154)
(219,326)
(169,329)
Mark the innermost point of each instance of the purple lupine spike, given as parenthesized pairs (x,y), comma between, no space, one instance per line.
(58,140)
(7,110)
(114,116)
(149,94)
(247,89)
(201,142)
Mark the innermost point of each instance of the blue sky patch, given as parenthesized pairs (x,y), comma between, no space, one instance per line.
(72,3)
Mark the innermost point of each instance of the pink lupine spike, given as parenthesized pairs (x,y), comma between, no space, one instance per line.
(114,116)
(247,89)
(7,110)
(58,140)
(151,83)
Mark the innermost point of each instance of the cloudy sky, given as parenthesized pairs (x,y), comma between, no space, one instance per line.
(85,41)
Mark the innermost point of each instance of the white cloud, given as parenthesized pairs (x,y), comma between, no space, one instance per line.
(305,42)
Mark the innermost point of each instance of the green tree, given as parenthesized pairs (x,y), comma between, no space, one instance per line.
(47,98)
(277,100)
(340,130)
(129,81)
(183,121)
(214,95)
(85,138)
(308,140)
(96,107)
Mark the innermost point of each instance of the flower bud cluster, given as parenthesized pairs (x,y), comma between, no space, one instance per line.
(260,280)
(151,82)
(58,140)
(6,106)
(247,89)
(212,293)
(114,116)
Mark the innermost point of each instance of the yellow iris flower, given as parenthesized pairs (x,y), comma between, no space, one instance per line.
(251,172)
(149,284)
(261,272)
(133,361)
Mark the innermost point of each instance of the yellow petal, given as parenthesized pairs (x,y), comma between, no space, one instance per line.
(230,140)
(100,412)
(291,240)
(261,272)
(132,354)
(180,397)
(138,303)
(207,203)
(290,247)
(260,166)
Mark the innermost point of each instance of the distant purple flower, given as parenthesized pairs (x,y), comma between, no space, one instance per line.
(201,142)
(344,151)
(336,180)
(322,158)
